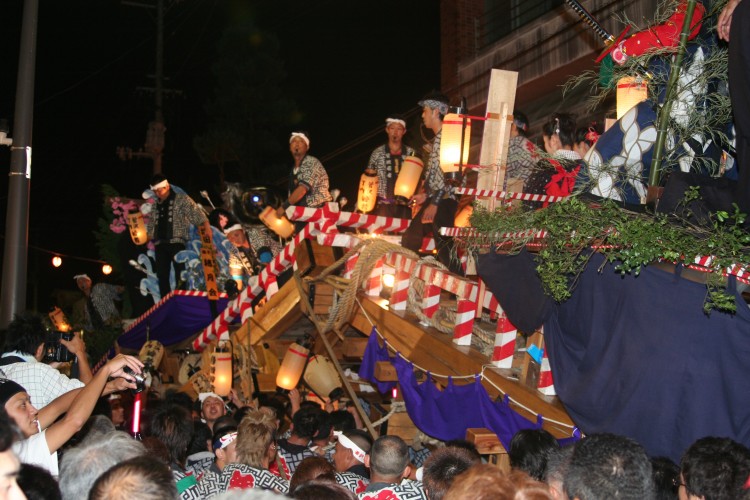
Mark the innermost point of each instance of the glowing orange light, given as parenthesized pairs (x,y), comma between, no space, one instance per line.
(106,269)
(57,261)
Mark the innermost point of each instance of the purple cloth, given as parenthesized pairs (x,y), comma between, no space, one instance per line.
(374,352)
(174,320)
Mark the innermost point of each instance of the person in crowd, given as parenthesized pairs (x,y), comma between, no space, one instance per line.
(312,468)
(352,447)
(22,360)
(101,310)
(252,248)
(386,161)
(10,466)
(557,467)
(37,483)
(529,450)
(225,448)
(442,467)
(308,180)
(172,425)
(82,465)
(169,228)
(342,420)
(296,447)
(487,482)
(117,411)
(144,478)
(605,466)
(200,454)
(437,202)
(256,449)
(212,408)
(557,174)
(522,154)
(388,462)
(322,441)
(666,478)
(44,434)
(221,219)
(714,468)
(585,139)
(322,488)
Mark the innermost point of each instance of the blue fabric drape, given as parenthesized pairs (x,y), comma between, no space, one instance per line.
(374,352)
(637,356)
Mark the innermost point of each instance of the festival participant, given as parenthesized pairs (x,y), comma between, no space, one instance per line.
(100,302)
(169,228)
(437,203)
(212,408)
(10,466)
(387,160)
(296,447)
(144,478)
(351,449)
(715,468)
(43,433)
(488,482)
(529,450)
(522,154)
(308,180)
(585,138)
(388,461)
(252,248)
(442,467)
(556,175)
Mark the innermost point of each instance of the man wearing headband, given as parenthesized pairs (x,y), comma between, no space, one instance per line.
(252,248)
(349,458)
(100,302)
(437,202)
(212,407)
(522,154)
(308,181)
(169,228)
(386,160)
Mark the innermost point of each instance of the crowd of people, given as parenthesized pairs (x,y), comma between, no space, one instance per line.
(61,438)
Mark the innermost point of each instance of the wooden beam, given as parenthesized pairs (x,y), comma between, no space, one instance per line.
(274,317)
(435,351)
(496,135)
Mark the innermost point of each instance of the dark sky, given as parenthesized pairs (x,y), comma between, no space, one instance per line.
(349,64)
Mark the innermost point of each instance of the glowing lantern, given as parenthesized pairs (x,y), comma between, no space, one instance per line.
(368,191)
(292,366)
(388,280)
(408,178)
(57,261)
(236,271)
(450,143)
(462,217)
(279,225)
(630,91)
(323,378)
(221,369)
(106,269)
(137,228)
(59,320)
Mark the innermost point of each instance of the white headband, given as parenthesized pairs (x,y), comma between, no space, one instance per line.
(79,276)
(300,135)
(347,443)
(160,185)
(227,439)
(203,396)
(401,122)
(236,227)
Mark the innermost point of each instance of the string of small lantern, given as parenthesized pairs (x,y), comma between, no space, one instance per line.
(458,377)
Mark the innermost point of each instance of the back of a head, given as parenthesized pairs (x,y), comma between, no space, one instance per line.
(442,467)
(666,478)
(521,121)
(562,124)
(83,464)
(254,435)
(25,333)
(200,438)
(37,483)
(606,466)
(144,478)
(342,420)
(715,468)
(173,425)
(306,422)
(322,488)
(9,433)
(312,468)
(360,438)
(487,482)
(389,457)
(529,450)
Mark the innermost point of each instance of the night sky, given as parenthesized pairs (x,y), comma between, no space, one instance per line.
(348,65)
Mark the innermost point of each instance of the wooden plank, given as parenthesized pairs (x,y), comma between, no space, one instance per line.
(354,348)
(275,317)
(496,136)
(385,372)
(435,351)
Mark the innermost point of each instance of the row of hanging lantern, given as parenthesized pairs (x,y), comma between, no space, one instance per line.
(57,261)
(320,374)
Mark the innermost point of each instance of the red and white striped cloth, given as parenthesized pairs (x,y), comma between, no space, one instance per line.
(488,193)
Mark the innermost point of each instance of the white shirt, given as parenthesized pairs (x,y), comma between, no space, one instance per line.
(41,381)
(35,451)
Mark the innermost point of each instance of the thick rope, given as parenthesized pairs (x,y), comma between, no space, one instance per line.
(396,407)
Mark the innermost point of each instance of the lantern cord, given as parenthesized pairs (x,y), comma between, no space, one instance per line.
(459,377)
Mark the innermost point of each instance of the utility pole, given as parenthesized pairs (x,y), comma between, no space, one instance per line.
(13,300)
(154,146)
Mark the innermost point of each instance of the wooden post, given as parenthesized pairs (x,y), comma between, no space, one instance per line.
(500,100)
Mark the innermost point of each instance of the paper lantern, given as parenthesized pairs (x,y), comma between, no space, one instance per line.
(137,228)
(57,261)
(450,143)
(408,178)
(292,366)
(106,269)
(221,369)
(630,91)
(368,191)
(323,378)
(59,321)
(279,225)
